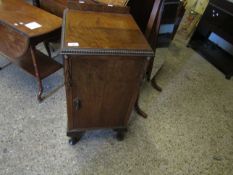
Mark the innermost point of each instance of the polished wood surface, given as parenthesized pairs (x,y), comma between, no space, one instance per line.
(16,11)
(103,31)
(104,72)
(13,47)
(18,43)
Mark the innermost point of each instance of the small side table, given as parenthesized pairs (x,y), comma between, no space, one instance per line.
(21,30)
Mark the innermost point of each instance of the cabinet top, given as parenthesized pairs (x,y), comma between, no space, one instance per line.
(101,33)
(27,19)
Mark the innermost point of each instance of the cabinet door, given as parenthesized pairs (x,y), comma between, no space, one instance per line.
(104,90)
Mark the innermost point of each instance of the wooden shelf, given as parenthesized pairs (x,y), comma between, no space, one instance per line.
(46,65)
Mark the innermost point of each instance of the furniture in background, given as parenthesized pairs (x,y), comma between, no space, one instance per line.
(148,15)
(21,30)
(105,61)
(141,11)
(216,23)
(172,13)
(152,33)
(57,7)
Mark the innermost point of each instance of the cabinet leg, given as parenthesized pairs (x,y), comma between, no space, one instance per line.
(75,139)
(121,134)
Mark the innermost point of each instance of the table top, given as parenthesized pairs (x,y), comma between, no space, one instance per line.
(27,19)
(89,32)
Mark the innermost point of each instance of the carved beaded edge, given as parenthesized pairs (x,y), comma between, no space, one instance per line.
(112,52)
(99,52)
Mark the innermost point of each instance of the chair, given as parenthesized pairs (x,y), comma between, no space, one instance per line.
(55,7)
(148,15)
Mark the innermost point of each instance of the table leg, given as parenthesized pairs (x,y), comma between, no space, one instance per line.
(5,65)
(37,73)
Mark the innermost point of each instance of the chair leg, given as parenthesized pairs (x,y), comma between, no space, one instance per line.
(139,110)
(154,83)
(149,69)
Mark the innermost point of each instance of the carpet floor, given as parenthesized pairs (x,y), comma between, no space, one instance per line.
(189,130)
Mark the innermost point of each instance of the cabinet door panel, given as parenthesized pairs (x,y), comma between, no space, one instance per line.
(106,89)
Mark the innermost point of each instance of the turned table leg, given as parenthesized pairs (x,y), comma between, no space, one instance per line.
(40,90)
(37,73)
